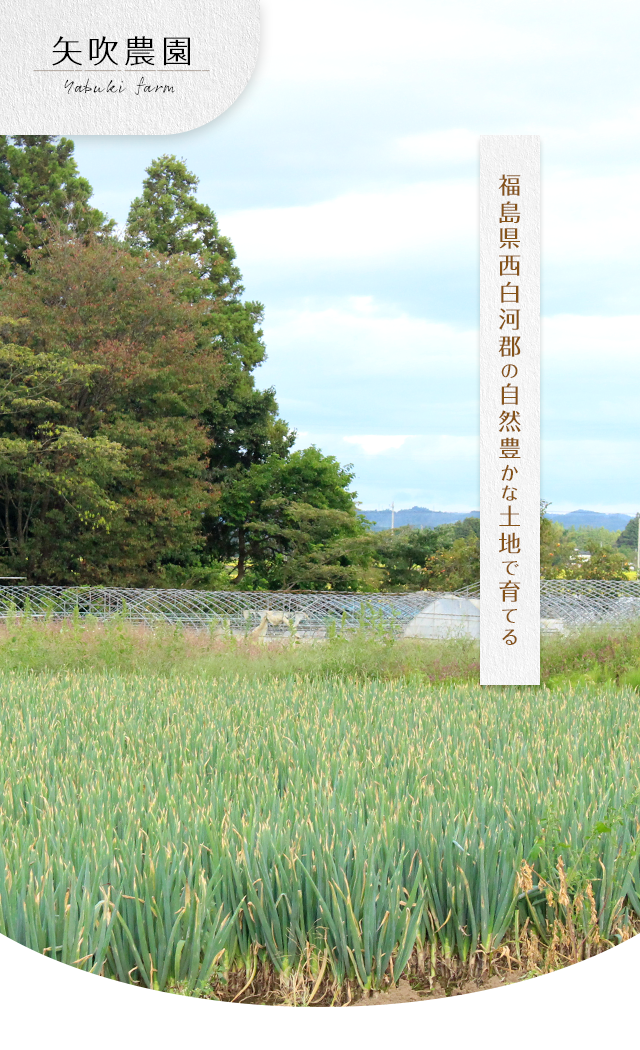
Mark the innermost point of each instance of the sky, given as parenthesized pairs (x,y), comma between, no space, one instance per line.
(346,177)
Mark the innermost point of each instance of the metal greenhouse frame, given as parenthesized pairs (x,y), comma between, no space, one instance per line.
(574,603)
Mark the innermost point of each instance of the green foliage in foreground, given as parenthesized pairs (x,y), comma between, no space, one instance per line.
(78,644)
(594,656)
(172,830)
(560,553)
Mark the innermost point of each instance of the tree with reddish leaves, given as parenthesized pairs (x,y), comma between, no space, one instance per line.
(137,376)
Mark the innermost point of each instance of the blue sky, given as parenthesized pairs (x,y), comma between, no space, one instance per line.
(346,177)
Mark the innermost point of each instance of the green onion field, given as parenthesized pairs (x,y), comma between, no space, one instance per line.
(319,836)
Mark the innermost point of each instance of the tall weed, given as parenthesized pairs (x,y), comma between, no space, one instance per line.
(597,655)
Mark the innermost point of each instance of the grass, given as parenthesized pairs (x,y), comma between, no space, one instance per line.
(595,656)
(309,835)
(27,644)
(599,655)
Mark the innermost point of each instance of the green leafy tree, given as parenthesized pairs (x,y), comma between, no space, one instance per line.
(242,422)
(272,516)
(462,530)
(454,566)
(560,557)
(302,547)
(54,480)
(604,564)
(627,541)
(584,534)
(149,457)
(555,549)
(40,190)
(121,331)
(169,219)
(408,557)
(401,556)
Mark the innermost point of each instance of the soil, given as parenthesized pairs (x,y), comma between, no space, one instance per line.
(493,990)
(490,990)
(404,992)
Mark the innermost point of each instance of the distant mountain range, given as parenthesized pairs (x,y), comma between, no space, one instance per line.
(592,518)
(416,516)
(422,516)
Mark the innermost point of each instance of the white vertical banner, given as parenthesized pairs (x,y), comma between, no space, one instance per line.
(510,409)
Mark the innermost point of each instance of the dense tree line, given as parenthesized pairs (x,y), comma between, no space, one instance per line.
(135,446)
(592,554)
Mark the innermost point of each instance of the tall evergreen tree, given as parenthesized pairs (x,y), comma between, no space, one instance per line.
(242,422)
(275,512)
(629,535)
(168,218)
(40,188)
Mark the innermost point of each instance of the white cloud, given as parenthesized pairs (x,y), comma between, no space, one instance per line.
(374,444)
(582,143)
(351,40)
(348,166)
(433,217)
(591,219)
(441,471)
(591,473)
(446,449)
(587,221)
(589,342)
(607,142)
(387,372)
(437,471)
(448,146)
(408,387)
(590,377)
(357,336)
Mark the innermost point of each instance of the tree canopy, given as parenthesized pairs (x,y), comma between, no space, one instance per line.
(629,536)
(290,522)
(109,361)
(560,557)
(41,189)
(137,448)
